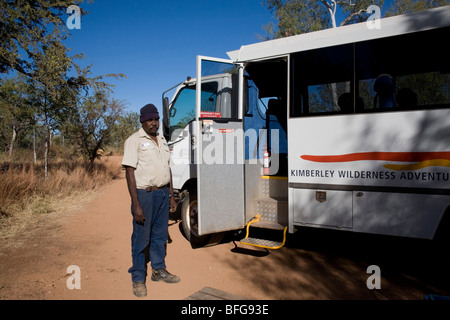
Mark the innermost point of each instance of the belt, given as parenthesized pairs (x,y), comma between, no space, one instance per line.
(153,188)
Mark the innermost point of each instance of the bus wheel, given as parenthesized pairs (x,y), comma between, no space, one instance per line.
(189,223)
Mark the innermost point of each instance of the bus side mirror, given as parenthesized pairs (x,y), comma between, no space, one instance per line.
(166,118)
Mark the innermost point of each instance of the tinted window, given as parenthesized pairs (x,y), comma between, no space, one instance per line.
(406,72)
(323,81)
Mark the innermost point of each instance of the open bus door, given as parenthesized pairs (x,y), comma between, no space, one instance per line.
(219,148)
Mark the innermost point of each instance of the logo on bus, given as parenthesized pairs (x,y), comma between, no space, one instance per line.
(413,160)
(400,166)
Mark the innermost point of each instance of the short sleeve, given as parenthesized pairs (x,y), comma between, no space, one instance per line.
(130,152)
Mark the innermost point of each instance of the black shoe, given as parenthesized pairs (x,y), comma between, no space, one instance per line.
(164,275)
(139,289)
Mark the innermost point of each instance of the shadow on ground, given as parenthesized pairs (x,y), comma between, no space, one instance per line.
(328,264)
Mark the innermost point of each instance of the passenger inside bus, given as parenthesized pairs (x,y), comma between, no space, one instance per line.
(345,103)
(385,88)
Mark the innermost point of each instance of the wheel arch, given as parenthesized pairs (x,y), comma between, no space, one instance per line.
(190,185)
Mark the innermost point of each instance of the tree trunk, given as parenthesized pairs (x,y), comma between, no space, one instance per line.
(34,146)
(47,150)
(13,140)
(332,10)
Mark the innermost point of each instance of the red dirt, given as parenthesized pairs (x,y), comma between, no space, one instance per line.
(97,239)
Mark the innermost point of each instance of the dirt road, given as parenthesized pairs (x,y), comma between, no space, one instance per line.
(314,265)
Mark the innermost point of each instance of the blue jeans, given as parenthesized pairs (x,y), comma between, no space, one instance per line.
(150,238)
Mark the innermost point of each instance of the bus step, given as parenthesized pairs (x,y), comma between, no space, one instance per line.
(264,243)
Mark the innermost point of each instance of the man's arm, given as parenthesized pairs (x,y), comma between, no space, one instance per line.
(131,182)
(173,204)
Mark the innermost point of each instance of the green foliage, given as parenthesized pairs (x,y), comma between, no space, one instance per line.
(44,97)
(92,125)
(127,123)
(15,116)
(27,27)
(303,16)
(410,6)
(296,17)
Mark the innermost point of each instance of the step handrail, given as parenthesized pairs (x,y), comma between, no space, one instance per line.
(255,219)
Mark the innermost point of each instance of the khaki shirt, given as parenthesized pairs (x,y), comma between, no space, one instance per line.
(151,161)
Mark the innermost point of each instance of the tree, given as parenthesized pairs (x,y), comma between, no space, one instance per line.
(295,17)
(409,6)
(92,125)
(302,16)
(37,30)
(16,117)
(52,98)
(26,27)
(127,124)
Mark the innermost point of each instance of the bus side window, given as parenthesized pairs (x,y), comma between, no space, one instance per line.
(406,72)
(323,81)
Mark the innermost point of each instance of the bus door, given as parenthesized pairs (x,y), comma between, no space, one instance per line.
(219,151)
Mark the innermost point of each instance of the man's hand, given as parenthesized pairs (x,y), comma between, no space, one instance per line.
(138,214)
(173,205)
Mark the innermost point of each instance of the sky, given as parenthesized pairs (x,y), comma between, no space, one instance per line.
(155,43)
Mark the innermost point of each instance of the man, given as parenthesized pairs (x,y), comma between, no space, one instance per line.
(147,165)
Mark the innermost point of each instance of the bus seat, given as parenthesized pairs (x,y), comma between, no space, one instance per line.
(406,98)
(345,102)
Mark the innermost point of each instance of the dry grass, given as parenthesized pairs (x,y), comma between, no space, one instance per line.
(26,196)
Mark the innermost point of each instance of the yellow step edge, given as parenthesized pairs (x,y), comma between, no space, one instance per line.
(257,219)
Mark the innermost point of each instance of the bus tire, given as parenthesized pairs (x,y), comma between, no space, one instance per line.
(189,224)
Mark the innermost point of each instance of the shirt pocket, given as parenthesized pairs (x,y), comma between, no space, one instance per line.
(146,147)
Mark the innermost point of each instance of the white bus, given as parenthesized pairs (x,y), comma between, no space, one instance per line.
(346,128)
